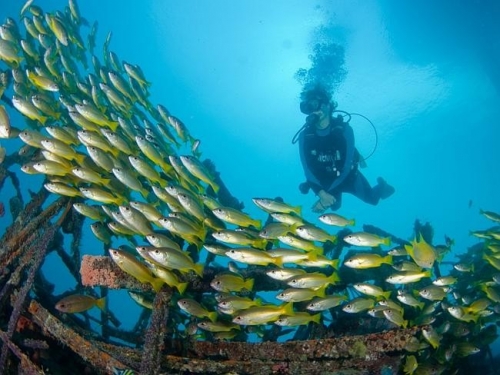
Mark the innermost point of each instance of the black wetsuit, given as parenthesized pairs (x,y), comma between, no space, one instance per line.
(330,161)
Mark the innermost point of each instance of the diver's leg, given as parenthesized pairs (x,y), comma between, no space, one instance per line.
(360,188)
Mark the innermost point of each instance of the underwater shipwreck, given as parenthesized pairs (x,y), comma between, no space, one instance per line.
(175,238)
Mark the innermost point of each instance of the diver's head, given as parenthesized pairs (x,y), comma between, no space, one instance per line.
(316,100)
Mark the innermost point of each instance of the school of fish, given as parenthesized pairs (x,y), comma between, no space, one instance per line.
(136,173)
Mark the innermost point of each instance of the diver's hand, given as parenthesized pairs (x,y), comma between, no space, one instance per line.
(325,200)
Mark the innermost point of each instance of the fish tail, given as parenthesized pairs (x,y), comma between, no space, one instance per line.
(256,223)
(42,119)
(321,291)
(181,287)
(386,241)
(278,261)
(215,187)
(163,183)
(113,125)
(260,244)
(212,316)
(80,159)
(405,323)
(249,284)
(288,309)
(198,269)
(157,283)
(388,259)
(144,192)
(313,255)
(386,295)
(101,303)
(352,222)
(316,318)
(335,263)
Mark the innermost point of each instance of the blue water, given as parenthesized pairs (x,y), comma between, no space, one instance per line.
(425,73)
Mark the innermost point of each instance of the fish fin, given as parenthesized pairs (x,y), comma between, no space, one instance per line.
(80,159)
(215,187)
(278,261)
(42,119)
(257,224)
(113,125)
(101,303)
(144,192)
(181,287)
(288,309)
(213,316)
(335,263)
(316,318)
(249,284)
(156,284)
(321,291)
(388,259)
(198,269)
(332,238)
(260,244)
(313,255)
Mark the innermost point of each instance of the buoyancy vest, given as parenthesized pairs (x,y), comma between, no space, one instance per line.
(327,153)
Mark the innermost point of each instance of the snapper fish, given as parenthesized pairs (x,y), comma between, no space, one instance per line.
(364,261)
(366,239)
(263,314)
(77,303)
(227,282)
(129,264)
(273,205)
(236,217)
(421,252)
(336,220)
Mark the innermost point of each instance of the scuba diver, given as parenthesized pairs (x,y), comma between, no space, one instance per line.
(329,156)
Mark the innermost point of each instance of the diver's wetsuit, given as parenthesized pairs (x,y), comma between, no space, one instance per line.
(330,162)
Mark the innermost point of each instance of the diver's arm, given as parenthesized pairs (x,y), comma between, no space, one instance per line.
(349,157)
(313,182)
